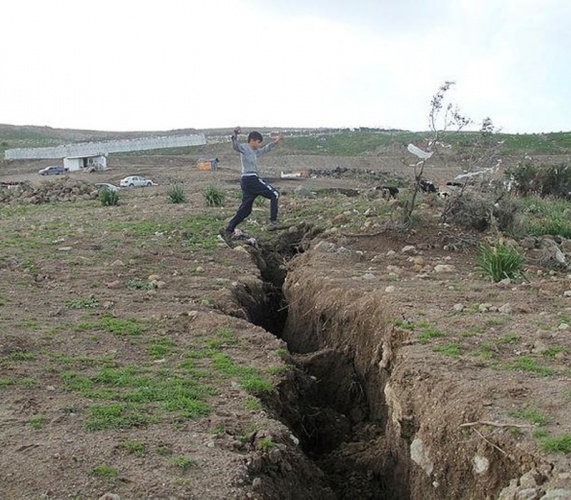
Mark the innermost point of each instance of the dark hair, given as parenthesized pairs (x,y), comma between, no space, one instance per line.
(255,136)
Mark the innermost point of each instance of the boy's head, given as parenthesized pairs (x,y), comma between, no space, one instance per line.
(255,139)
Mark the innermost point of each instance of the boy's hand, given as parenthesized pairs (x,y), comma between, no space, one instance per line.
(237,131)
(278,138)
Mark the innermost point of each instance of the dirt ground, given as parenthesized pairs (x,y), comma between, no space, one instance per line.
(396,370)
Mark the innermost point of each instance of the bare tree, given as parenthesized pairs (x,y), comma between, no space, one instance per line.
(444,118)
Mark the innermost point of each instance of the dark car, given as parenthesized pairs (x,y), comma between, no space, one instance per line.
(52,170)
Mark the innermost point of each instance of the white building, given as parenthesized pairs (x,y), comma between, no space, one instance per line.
(89,163)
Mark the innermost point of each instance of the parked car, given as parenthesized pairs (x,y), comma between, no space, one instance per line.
(136,181)
(106,185)
(53,170)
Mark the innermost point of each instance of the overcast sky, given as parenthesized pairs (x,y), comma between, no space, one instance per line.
(161,65)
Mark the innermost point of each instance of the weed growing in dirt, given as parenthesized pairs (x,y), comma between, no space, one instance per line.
(252,403)
(540,434)
(560,443)
(250,380)
(176,194)
(136,284)
(500,261)
(89,303)
(452,350)
(552,351)
(164,451)
(528,364)
(265,444)
(183,463)
(107,197)
(162,347)
(486,351)
(405,325)
(116,416)
(213,196)
(218,430)
(545,216)
(134,447)
(529,415)
(38,422)
(428,333)
(224,337)
(509,338)
(105,471)
(122,326)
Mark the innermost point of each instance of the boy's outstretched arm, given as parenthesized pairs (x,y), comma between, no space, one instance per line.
(235,144)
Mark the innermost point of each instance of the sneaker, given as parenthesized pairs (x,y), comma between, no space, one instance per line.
(274,225)
(226,235)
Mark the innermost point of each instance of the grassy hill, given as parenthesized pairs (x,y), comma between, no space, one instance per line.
(335,142)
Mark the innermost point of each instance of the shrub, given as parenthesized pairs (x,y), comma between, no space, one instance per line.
(108,197)
(213,196)
(176,194)
(525,177)
(501,261)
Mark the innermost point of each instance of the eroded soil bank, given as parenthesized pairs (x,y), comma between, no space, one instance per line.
(380,413)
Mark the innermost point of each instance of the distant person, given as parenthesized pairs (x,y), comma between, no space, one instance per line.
(250,182)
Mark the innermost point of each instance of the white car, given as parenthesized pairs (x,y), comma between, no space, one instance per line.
(136,181)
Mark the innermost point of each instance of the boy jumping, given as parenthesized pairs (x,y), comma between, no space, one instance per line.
(251,184)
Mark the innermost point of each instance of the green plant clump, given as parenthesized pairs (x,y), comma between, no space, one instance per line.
(213,196)
(107,197)
(501,261)
(176,194)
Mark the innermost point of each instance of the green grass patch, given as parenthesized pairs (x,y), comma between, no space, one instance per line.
(122,326)
(105,471)
(253,403)
(89,303)
(561,444)
(183,463)
(528,364)
(37,422)
(404,324)
(531,415)
(116,416)
(137,284)
(134,447)
(508,338)
(21,356)
(429,333)
(451,350)
(553,351)
(162,347)
(225,337)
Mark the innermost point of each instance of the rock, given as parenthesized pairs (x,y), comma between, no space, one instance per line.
(419,454)
(527,494)
(369,277)
(409,249)
(390,289)
(557,494)
(444,268)
(458,307)
(506,308)
(480,465)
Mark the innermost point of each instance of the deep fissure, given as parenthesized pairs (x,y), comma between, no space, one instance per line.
(324,401)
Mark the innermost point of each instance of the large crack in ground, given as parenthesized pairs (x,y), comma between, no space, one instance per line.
(324,400)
